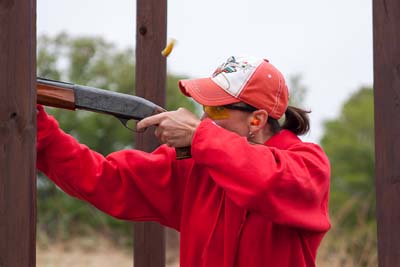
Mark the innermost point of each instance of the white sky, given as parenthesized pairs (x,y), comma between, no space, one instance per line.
(328,42)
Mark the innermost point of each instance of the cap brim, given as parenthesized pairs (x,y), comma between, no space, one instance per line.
(206,92)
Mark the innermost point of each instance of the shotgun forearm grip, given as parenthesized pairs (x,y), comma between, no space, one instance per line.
(183,152)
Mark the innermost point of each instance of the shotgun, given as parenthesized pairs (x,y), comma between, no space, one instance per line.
(122,106)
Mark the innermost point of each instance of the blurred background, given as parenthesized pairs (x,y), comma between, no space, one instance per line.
(323,48)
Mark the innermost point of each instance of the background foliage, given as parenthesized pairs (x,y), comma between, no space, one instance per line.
(349,143)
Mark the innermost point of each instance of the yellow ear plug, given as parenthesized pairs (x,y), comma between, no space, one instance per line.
(168,49)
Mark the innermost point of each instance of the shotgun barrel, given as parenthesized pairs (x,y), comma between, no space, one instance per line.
(73,96)
(122,106)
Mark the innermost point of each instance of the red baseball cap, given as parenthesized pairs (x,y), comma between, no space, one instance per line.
(253,81)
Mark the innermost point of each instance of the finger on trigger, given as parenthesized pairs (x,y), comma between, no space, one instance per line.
(149,121)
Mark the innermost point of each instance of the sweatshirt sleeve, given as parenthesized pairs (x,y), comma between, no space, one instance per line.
(288,186)
(129,184)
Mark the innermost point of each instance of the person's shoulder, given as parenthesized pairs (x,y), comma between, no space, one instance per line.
(307,146)
(286,140)
(283,140)
(311,151)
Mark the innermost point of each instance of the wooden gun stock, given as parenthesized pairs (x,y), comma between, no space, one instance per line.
(53,96)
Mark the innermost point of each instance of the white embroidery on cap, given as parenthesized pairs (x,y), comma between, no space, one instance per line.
(222,81)
(233,75)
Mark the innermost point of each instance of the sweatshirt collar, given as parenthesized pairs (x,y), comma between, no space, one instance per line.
(283,140)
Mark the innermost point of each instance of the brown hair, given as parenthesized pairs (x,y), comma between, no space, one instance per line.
(296,121)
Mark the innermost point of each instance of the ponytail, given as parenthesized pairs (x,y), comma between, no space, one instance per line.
(296,121)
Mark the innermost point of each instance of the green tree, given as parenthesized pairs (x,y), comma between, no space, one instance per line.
(94,62)
(349,144)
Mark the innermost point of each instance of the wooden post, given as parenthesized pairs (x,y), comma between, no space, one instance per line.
(386,21)
(149,239)
(17,133)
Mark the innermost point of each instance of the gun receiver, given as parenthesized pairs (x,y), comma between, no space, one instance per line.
(122,106)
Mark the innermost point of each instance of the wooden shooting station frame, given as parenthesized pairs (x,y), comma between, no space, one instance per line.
(151,34)
(386,26)
(18,126)
(17,133)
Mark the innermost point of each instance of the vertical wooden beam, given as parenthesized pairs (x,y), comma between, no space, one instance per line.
(386,21)
(149,240)
(17,132)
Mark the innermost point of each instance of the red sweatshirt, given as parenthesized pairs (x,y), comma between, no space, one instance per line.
(234,204)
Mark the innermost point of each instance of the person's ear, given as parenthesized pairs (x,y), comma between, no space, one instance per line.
(259,119)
